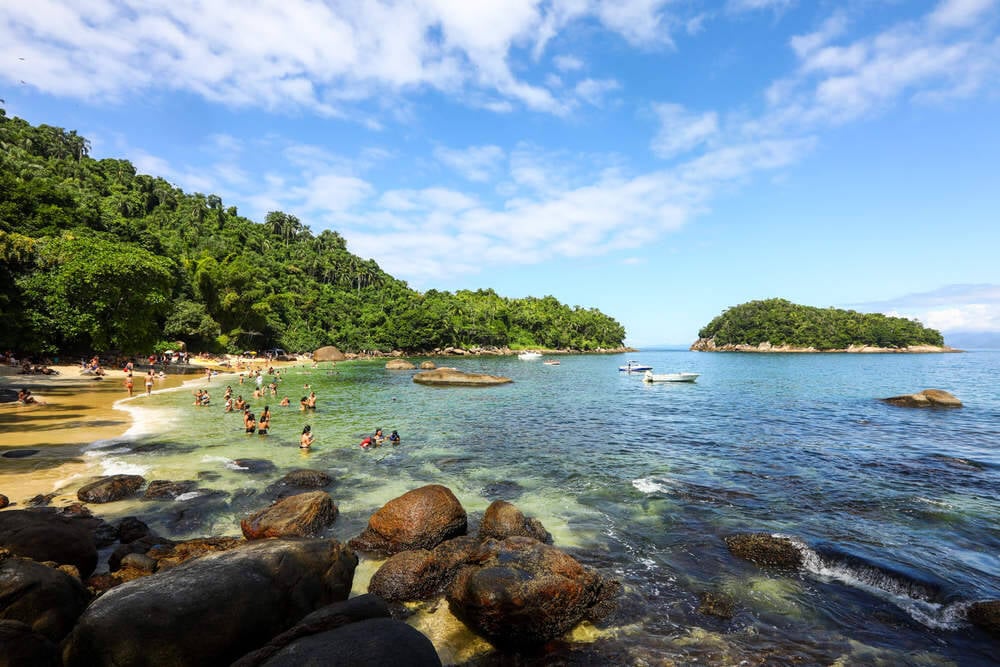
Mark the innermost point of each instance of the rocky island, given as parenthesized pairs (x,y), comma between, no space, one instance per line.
(777,325)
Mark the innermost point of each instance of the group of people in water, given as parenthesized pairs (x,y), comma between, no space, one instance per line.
(377,438)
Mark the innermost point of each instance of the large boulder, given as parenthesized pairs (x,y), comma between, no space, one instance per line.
(111,488)
(520,591)
(419,519)
(47,536)
(20,646)
(928,398)
(162,489)
(211,610)
(46,599)
(455,377)
(399,365)
(300,515)
(328,353)
(765,549)
(503,520)
(377,641)
(427,365)
(421,574)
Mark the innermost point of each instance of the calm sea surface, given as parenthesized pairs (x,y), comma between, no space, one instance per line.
(896,509)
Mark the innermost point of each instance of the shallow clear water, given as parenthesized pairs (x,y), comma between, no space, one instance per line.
(896,508)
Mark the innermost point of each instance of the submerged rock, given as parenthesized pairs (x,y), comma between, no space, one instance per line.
(161,489)
(419,519)
(110,489)
(925,399)
(300,515)
(765,549)
(212,610)
(454,377)
(503,520)
(720,605)
(399,365)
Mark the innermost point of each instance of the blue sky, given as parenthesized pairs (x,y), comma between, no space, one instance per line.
(660,160)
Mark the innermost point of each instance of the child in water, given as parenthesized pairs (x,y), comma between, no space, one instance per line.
(394,438)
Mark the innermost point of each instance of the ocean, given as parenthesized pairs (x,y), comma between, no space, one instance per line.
(896,509)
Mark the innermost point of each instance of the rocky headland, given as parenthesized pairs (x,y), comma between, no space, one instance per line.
(708,345)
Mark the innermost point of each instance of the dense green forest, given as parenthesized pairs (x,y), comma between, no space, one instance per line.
(781,322)
(95,257)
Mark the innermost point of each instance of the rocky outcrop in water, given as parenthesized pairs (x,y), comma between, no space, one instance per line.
(328,353)
(111,488)
(764,549)
(454,377)
(522,592)
(503,520)
(214,609)
(399,365)
(418,519)
(928,398)
(709,345)
(986,615)
(161,489)
(421,574)
(427,365)
(301,515)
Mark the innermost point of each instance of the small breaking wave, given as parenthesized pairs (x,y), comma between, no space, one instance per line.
(649,485)
(229,463)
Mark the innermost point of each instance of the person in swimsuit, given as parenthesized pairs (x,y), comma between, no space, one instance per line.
(240,404)
(128,383)
(285,402)
(149,383)
(394,438)
(311,404)
(305,442)
(265,421)
(249,422)
(378,438)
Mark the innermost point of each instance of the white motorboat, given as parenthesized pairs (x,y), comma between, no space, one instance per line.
(649,376)
(529,356)
(634,367)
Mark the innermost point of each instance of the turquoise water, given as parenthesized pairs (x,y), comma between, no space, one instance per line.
(896,509)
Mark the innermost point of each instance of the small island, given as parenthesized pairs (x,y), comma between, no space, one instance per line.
(778,325)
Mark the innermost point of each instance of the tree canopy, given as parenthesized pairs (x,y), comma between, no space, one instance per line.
(781,322)
(94,256)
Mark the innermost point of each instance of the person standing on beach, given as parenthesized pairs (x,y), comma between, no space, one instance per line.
(129,384)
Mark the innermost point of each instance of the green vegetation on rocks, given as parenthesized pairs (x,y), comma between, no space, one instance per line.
(781,323)
(95,257)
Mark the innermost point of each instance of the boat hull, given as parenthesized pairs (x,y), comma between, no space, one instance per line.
(670,377)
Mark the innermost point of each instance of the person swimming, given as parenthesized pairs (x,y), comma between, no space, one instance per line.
(394,438)
(265,421)
(306,440)
(366,442)
(249,422)
(378,438)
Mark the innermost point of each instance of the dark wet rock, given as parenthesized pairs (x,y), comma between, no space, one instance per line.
(40,500)
(254,466)
(19,453)
(140,545)
(937,398)
(171,554)
(454,377)
(328,353)
(194,515)
(399,365)
(4,501)
(419,519)
(502,490)
(211,610)
(721,605)
(521,591)
(111,488)
(300,515)
(46,599)
(298,479)
(503,520)
(140,562)
(330,617)
(408,575)
(986,615)
(764,549)
(21,646)
(208,475)
(379,641)
(48,536)
(131,528)
(161,489)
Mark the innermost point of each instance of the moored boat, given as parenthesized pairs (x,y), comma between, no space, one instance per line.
(529,356)
(649,376)
(634,367)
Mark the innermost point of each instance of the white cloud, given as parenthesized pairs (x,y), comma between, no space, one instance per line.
(476,163)
(593,91)
(567,63)
(757,5)
(960,13)
(681,131)
(949,309)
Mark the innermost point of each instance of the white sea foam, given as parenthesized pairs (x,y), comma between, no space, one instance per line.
(903,594)
(650,485)
(115,466)
(190,495)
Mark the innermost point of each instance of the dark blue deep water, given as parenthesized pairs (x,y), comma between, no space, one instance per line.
(896,509)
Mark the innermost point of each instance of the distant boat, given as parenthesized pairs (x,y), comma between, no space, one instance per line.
(551,362)
(670,377)
(634,367)
(529,356)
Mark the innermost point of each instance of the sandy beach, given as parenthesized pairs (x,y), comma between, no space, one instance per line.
(41,446)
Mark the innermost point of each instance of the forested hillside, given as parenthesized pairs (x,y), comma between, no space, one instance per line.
(781,322)
(95,257)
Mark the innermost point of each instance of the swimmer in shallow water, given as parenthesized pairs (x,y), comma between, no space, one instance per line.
(306,440)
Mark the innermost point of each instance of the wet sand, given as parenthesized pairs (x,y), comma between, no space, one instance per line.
(41,446)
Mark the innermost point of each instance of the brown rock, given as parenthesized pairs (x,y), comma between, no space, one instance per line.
(4,501)
(328,353)
(503,520)
(427,365)
(764,549)
(925,399)
(454,377)
(300,515)
(110,489)
(399,365)
(419,519)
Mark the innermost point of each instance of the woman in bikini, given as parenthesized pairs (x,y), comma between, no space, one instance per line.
(265,421)
(306,441)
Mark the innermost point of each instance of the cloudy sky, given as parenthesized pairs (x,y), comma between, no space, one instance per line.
(661,160)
